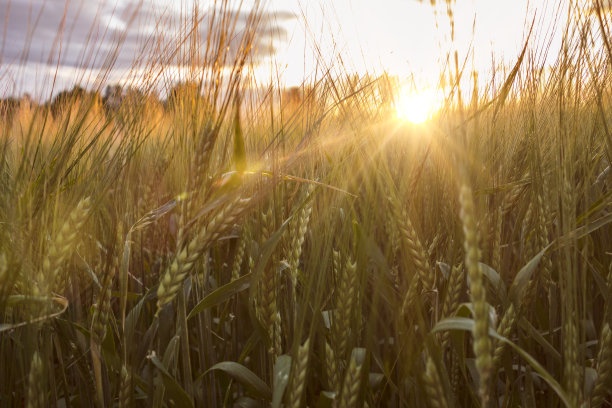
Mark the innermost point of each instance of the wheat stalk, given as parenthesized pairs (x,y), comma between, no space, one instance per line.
(102,310)
(603,383)
(239,257)
(482,342)
(346,298)
(125,388)
(433,385)
(411,296)
(351,384)
(63,246)
(412,244)
(299,228)
(451,300)
(188,254)
(331,369)
(267,309)
(496,239)
(36,380)
(298,373)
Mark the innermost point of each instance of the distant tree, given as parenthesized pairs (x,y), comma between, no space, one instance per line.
(182,93)
(113,96)
(66,98)
(134,95)
(292,96)
(134,103)
(8,107)
(69,98)
(27,99)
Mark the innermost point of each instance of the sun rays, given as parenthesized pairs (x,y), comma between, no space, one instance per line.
(416,106)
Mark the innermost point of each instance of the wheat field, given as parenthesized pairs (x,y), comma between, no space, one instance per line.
(224,248)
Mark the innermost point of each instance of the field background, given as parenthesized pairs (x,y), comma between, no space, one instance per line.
(307,248)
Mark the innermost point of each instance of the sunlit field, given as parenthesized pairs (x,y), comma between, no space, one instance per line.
(202,237)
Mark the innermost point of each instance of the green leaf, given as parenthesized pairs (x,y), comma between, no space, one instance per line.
(30,299)
(133,317)
(176,393)
(109,350)
(524,275)
(585,230)
(85,332)
(465,324)
(250,344)
(377,257)
(221,294)
(123,277)
(244,376)
(245,402)
(454,323)
(375,379)
(496,281)
(445,269)
(239,150)
(359,355)
(597,206)
(171,351)
(467,309)
(603,286)
(326,399)
(590,376)
(281,378)
(154,215)
(537,336)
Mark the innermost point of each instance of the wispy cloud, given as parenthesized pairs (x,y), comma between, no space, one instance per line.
(99,36)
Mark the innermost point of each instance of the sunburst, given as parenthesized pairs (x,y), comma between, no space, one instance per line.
(417,107)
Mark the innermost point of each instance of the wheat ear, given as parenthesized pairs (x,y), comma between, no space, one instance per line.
(299,229)
(482,342)
(347,290)
(36,390)
(410,240)
(433,385)
(451,300)
(603,383)
(298,381)
(350,386)
(63,245)
(187,255)
(331,369)
(125,388)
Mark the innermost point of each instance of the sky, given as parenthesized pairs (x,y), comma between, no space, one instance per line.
(50,45)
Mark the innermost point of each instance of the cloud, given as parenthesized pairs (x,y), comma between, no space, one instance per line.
(117,34)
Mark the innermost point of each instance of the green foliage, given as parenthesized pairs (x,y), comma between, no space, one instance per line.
(356,260)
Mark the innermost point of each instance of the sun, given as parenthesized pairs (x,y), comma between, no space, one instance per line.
(416,107)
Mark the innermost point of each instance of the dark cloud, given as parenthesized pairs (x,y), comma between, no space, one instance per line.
(90,34)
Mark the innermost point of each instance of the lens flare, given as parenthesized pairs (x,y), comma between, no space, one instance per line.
(416,107)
